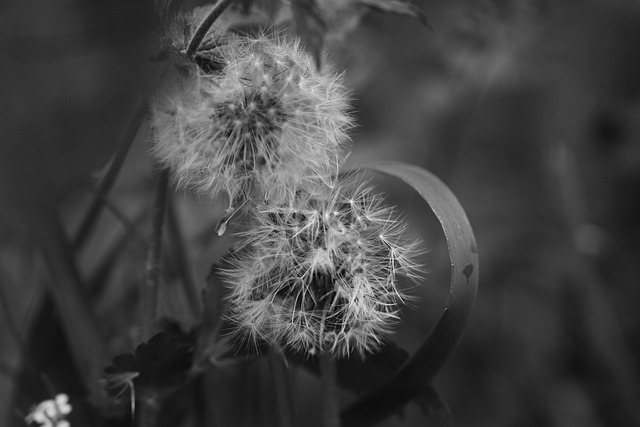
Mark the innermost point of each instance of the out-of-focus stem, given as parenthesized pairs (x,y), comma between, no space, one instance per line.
(283,389)
(106,183)
(154,256)
(328,374)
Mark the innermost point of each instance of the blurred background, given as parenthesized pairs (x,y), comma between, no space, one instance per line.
(528,109)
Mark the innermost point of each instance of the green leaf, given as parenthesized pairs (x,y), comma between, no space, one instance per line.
(419,371)
(398,7)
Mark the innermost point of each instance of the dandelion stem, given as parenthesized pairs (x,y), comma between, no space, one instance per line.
(154,254)
(202,30)
(283,389)
(328,374)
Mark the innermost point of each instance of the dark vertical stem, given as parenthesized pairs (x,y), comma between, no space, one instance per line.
(282,384)
(149,406)
(108,180)
(328,374)
(154,255)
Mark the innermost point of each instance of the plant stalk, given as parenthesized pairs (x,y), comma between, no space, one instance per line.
(106,183)
(328,374)
(203,28)
(282,384)
(154,256)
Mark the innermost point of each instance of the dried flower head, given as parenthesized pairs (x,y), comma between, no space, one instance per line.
(318,274)
(267,121)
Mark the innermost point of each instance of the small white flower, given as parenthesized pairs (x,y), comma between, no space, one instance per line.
(51,413)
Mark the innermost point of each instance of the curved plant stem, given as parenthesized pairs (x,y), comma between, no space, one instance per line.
(203,28)
(418,372)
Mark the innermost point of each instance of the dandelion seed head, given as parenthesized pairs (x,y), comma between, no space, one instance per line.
(312,278)
(264,124)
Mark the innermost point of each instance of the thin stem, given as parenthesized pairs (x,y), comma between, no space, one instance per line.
(97,278)
(10,321)
(182,262)
(106,182)
(203,28)
(154,254)
(67,290)
(282,384)
(328,374)
(29,363)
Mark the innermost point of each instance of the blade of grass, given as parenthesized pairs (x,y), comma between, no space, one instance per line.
(98,277)
(154,256)
(10,315)
(443,338)
(328,376)
(149,408)
(83,333)
(108,179)
(282,383)
(183,268)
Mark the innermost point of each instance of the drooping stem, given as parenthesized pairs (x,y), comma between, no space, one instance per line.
(328,374)
(203,28)
(154,256)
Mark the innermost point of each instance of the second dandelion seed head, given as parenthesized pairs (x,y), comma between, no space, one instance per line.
(320,274)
